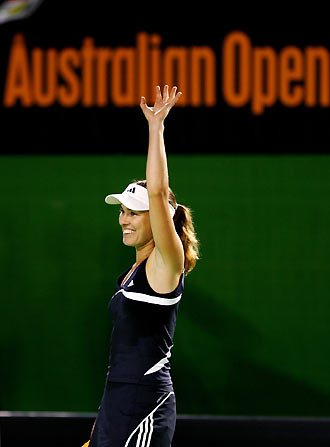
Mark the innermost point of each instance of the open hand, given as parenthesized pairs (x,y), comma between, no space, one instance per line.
(162,106)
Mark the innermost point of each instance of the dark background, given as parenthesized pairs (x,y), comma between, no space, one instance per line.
(219,129)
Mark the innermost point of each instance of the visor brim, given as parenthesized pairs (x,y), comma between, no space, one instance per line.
(129,202)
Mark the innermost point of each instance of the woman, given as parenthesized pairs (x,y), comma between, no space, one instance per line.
(138,406)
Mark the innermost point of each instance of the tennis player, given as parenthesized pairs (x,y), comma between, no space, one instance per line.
(138,407)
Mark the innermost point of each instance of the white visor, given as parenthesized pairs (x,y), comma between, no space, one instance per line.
(135,197)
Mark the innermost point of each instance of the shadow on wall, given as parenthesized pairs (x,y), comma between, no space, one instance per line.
(215,370)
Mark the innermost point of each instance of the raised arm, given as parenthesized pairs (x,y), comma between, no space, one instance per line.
(168,247)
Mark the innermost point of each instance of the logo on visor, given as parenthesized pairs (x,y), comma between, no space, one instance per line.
(132,190)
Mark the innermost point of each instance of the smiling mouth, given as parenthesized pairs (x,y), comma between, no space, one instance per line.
(128,231)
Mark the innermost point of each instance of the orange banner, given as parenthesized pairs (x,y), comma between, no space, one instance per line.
(254,76)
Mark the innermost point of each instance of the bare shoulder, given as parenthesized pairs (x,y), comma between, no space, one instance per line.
(161,278)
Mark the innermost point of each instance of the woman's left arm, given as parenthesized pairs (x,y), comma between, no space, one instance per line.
(167,242)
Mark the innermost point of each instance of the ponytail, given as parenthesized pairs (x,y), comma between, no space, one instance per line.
(185,228)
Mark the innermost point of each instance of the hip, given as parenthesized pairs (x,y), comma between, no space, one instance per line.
(129,411)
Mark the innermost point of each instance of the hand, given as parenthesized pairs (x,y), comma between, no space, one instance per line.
(162,106)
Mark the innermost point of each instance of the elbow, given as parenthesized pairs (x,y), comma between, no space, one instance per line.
(158,191)
(156,188)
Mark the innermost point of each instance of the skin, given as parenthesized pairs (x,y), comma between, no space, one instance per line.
(141,237)
(154,233)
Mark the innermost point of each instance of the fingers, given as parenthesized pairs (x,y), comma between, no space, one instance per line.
(143,102)
(171,98)
(165,100)
(175,95)
(165,93)
(173,92)
(176,98)
(158,94)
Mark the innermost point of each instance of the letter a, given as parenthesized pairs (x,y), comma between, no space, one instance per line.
(18,83)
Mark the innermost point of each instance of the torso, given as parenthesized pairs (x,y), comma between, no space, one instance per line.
(143,329)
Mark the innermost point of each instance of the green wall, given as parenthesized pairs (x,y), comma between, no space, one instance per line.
(253,326)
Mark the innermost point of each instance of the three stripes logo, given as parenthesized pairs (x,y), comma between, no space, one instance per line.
(132,190)
(146,429)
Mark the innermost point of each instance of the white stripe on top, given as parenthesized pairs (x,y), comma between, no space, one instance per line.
(150,299)
(159,365)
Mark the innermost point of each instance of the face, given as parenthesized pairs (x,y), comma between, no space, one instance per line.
(136,227)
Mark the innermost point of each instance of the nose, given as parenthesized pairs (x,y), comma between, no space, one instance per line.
(123,218)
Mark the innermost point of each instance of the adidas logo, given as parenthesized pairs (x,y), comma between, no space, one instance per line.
(131,284)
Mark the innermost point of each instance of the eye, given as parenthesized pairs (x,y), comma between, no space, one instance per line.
(133,214)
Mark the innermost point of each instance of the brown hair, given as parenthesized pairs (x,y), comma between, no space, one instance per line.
(184,227)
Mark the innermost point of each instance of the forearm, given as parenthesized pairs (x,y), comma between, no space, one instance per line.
(156,171)
(157,175)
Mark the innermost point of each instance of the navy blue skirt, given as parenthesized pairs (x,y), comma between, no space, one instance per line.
(135,415)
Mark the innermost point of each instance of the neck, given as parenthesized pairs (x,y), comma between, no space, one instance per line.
(144,251)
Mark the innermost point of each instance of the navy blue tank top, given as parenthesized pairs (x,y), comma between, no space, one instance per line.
(143,330)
